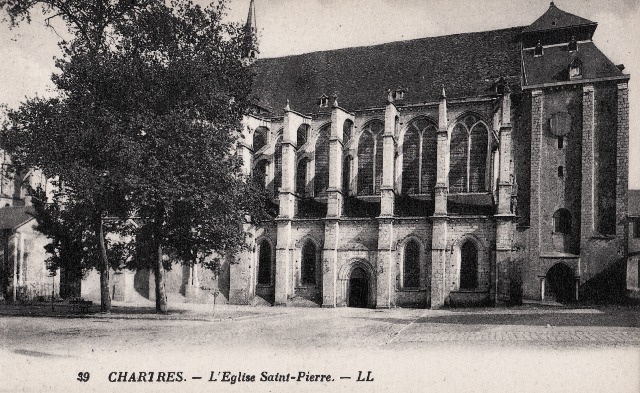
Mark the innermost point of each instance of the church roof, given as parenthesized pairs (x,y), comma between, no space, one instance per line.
(555,19)
(468,65)
(13,216)
(553,65)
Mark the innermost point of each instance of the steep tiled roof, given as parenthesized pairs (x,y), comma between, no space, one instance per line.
(634,203)
(555,19)
(11,217)
(553,65)
(467,65)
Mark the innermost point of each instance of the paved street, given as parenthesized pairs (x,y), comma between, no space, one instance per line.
(589,348)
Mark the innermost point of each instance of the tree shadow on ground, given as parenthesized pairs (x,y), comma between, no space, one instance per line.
(620,316)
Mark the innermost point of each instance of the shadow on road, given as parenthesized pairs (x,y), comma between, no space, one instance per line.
(608,316)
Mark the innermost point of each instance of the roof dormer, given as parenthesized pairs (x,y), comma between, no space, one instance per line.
(324,101)
(575,69)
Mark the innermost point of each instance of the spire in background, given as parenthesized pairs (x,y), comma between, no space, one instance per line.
(251,18)
(251,31)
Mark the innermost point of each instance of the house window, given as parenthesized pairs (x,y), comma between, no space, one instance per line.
(419,154)
(308,274)
(370,159)
(560,171)
(560,142)
(324,101)
(636,231)
(411,265)
(562,221)
(468,266)
(468,156)
(398,94)
(264,263)
(321,176)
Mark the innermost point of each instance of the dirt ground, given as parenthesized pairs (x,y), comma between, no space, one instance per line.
(530,348)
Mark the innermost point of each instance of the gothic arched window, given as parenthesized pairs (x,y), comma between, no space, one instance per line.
(260,173)
(264,263)
(302,135)
(411,265)
(347,129)
(301,177)
(321,177)
(277,162)
(468,156)
(370,159)
(468,266)
(419,157)
(346,175)
(562,221)
(259,138)
(308,270)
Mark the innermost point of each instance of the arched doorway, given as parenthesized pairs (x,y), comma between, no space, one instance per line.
(358,288)
(560,283)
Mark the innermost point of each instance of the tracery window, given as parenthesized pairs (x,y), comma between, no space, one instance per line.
(302,135)
(419,157)
(259,138)
(347,129)
(411,265)
(264,263)
(468,156)
(308,270)
(370,158)
(321,176)
(277,162)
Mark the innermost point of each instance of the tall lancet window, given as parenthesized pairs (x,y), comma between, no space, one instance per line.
(277,162)
(468,156)
(419,150)
(321,177)
(370,158)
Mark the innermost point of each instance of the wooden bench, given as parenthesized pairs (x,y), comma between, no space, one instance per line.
(79,305)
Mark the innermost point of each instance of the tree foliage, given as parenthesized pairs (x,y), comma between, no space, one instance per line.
(145,123)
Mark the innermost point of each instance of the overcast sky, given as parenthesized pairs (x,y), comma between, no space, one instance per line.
(298,26)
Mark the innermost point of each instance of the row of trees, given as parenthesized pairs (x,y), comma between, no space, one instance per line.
(143,127)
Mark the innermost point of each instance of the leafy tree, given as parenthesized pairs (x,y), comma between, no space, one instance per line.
(70,137)
(72,247)
(147,119)
(191,86)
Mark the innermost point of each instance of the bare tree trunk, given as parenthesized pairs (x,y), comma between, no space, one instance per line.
(161,296)
(105,293)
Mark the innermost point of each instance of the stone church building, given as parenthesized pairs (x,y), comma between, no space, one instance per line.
(475,168)
(468,169)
